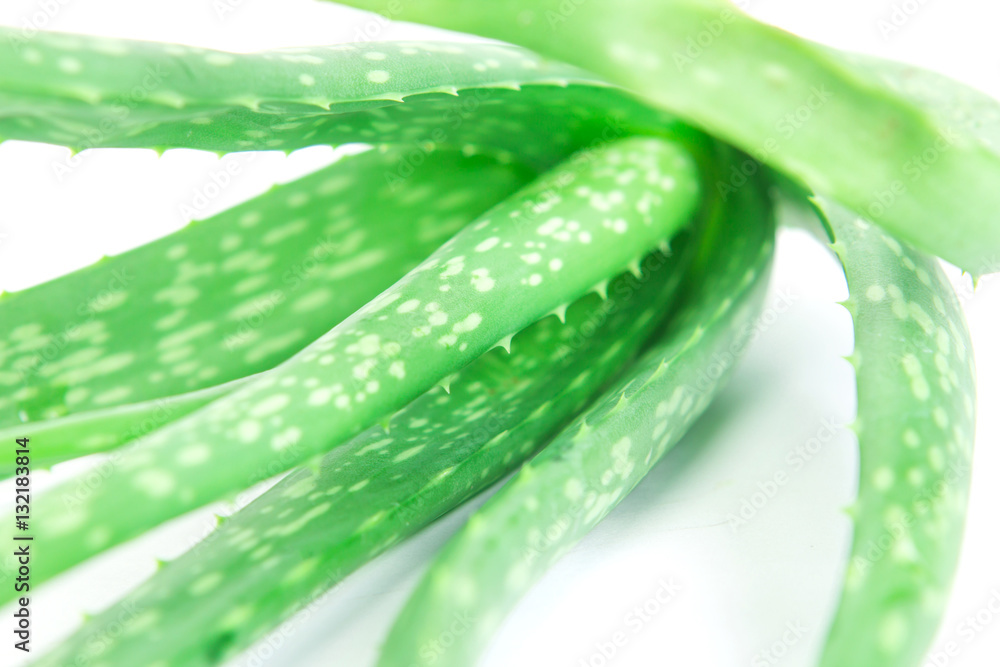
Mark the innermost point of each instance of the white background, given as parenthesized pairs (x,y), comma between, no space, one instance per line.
(739,589)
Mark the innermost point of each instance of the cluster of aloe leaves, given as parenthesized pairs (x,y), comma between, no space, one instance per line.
(540,268)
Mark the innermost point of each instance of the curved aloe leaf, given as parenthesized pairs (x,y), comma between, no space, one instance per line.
(87,92)
(804,108)
(533,254)
(224,298)
(916,418)
(575,481)
(381,487)
(57,440)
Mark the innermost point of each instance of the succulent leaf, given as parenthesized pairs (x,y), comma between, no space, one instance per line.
(57,440)
(557,497)
(89,92)
(311,529)
(224,298)
(346,325)
(916,419)
(805,109)
(545,246)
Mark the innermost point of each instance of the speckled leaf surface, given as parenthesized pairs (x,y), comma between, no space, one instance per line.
(804,108)
(916,418)
(87,92)
(57,440)
(575,481)
(546,246)
(315,527)
(226,297)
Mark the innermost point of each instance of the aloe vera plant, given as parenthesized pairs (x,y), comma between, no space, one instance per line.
(81,372)
(545,290)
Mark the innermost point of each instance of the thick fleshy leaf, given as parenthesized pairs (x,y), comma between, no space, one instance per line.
(803,108)
(575,481)
(87,92)
(916,417)
(224,298)
(57,440)
(541,249)
(314,527)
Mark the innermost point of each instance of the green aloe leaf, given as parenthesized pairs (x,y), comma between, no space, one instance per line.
(916,418)
(57,440)
(88,92)
(224,298)
(803,108)
(561,494)
(314,527)
(546,246)
(953,105)
(182,350)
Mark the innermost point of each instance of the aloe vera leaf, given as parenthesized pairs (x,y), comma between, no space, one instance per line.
(57,440)
(232,295)
(915,426)
(314,527)
(803,108)
(557,497)
(87,92)
(569,231)
(952,103)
